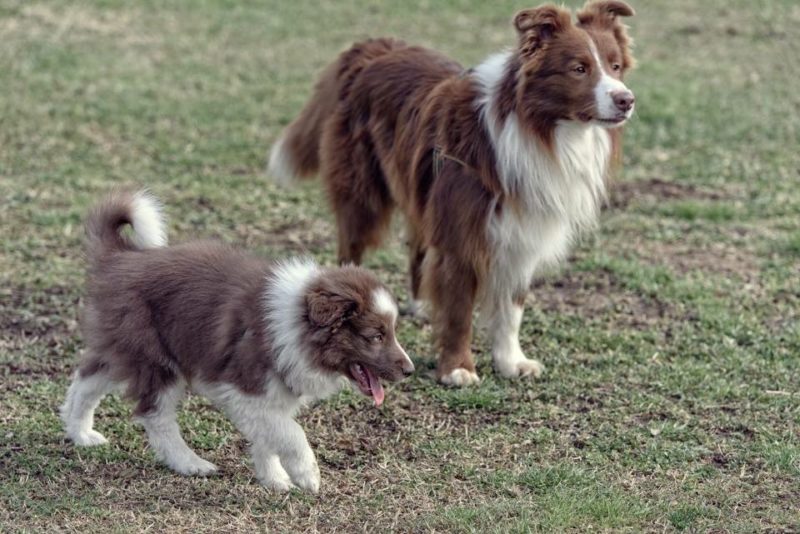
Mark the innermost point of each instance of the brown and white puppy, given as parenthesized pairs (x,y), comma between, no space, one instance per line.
(496,168)
(259,339)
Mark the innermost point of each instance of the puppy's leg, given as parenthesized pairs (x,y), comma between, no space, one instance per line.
(280,450)
(77,412)
(164,435)
(504,322)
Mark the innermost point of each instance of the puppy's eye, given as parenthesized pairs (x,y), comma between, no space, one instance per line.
(616,67)
(377,338)
(580,69)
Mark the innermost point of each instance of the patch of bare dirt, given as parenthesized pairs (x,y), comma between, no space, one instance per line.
(38,328)
(622,194)
(598,295)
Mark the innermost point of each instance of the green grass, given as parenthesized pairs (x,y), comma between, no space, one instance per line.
(671,337)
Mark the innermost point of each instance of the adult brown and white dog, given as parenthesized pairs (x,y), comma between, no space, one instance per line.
(259,339)
(496,168)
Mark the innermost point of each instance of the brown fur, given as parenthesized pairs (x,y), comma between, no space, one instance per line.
(401,129)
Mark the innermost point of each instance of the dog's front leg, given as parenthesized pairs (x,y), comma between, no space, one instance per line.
(280,448)
(505,317)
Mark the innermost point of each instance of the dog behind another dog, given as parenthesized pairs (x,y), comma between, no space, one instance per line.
(259,339)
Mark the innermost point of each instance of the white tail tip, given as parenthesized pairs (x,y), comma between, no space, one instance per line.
(149,228)
(281,167)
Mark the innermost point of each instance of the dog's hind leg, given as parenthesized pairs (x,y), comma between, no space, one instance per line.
(416,257)
(161,423)
(77,412)
(356,187)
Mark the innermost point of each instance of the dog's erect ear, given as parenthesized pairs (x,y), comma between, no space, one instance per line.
(327,309)
(603,14)
(536,26)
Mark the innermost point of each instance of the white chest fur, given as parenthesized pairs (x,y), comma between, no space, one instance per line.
(556,196)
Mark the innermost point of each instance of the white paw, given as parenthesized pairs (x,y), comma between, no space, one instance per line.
(193,466)
(277,481)
(305,474)
(460,377)
(519,368)
(89,438)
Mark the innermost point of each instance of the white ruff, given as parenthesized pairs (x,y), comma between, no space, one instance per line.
(284,297)
(557,196)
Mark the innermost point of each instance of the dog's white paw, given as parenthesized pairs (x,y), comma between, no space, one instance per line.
(519,367)
(191,466)
(89,438)
(460,377)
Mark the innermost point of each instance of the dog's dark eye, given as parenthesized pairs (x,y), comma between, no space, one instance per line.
(616,66)
(377,338)
(580,69)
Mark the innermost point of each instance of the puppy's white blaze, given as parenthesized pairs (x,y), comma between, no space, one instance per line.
(384,303)
(149,228)
(280,166)
(285,304)
(605,88)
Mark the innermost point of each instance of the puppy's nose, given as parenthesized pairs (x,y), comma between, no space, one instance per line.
(405,364)
(623,100)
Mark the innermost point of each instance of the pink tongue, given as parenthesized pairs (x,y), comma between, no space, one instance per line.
(375,386)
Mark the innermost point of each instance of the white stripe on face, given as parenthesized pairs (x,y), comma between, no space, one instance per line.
(384,303)
(605,88)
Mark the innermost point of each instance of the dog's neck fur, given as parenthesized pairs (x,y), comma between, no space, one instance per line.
(284,304)
(569,182)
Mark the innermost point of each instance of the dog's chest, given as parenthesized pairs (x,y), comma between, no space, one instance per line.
(553,198)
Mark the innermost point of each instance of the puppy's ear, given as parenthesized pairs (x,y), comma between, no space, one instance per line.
(329,310)
(538,25)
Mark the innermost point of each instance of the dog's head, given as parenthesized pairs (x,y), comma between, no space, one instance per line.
(574,71)
(352,317)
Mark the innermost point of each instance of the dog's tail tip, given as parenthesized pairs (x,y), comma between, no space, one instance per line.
(281,167)
(141,210)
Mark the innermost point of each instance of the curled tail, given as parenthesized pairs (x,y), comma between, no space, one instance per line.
(295,155)
(140,210)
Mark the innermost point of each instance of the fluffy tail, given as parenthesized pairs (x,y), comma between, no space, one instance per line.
(295,155)
(140,210)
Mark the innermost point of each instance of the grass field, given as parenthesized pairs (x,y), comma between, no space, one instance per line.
(670,337)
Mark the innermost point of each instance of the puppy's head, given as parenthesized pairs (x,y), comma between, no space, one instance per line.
(351,317)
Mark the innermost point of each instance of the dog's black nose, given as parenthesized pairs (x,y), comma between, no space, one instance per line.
(623,100)
(408,371)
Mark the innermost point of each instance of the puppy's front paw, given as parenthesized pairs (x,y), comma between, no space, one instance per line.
(278,482)
(193,466)
(306,476)
(460,378)
(89,438)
